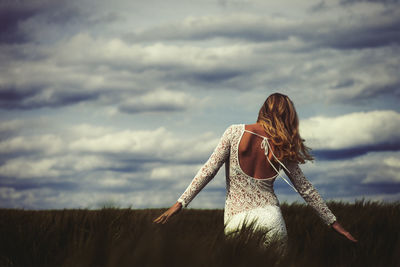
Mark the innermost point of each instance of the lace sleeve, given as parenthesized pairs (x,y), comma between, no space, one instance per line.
(209,169)
(309,193)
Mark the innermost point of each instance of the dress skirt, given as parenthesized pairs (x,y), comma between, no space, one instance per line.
(267,219)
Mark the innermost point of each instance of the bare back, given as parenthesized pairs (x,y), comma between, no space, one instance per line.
(252,158)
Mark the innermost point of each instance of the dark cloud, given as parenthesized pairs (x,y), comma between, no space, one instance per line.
(360,36)
(318,7)
(23,21)
(9,97)
(231,28)
(351,190)
(378,188)
(381,29)
(369,92)
(367,189)
(105,18)
(13,14)
(385,2)
(31,97)
(372,91)
(341,190)
(256,32)
(217,76)
(37,184)
(344,84)
(323,5)
(369,31)
(165,107)
(348,153)
(9,26)
(64,98)
(131,188)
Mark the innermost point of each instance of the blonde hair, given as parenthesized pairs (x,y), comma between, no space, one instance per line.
(279,119)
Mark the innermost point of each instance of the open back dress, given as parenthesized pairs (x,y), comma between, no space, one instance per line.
(249,198)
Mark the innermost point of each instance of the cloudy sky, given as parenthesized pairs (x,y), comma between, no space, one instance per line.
(121,102)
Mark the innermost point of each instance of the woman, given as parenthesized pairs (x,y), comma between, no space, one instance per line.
(253,156)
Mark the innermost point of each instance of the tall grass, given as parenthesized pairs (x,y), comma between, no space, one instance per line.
(126,237)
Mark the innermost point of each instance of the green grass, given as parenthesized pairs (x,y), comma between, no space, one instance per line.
(126,237)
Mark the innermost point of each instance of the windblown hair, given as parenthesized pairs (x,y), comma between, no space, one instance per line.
(279,119)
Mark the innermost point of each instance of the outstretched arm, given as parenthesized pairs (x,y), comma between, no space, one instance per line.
(202,178)
(313,198)
(163,218)
(338,228)
(209,169)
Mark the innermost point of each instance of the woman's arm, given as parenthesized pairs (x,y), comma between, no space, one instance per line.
(313,198)
(308,192)
(338,228)
(209,169)
(203,176)
(163,218)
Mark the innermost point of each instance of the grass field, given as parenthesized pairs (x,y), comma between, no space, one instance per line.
(127,237)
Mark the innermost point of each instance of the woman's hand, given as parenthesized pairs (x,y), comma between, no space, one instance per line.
(338,228)
(163,218)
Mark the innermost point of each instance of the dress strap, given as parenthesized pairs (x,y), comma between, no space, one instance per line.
(255,133)
(266,146)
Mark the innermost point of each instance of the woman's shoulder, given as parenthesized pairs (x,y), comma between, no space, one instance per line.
(237,125)
(234,127)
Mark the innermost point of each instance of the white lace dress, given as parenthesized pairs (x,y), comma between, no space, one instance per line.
(250,198)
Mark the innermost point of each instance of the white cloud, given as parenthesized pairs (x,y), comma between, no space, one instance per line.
(160,100)
(89,130)
(11,125)
(392,162)
(141,142)
(52,167)
(157,144)
(174,172)
(25,168)
(352,130)
(47,143)
(388,172)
